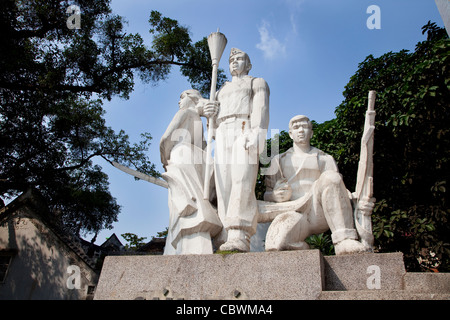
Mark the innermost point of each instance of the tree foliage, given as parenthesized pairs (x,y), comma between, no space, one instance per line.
(162,234)
(412,147)
(134,241)
(412,143)
(53,82)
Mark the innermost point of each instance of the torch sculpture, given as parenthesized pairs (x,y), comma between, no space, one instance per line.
(216,43)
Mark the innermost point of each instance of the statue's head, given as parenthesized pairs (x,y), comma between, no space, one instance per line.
(189,99)
(300,129)
(239,62)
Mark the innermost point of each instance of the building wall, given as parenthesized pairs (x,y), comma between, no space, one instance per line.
(39,268)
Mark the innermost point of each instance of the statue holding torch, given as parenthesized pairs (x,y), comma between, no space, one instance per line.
(238,118)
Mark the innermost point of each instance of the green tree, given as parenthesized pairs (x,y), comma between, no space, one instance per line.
(412,147)
(53,82)
(134,242)
(162,234)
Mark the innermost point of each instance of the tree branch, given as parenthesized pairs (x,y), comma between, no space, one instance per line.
(35,86)
(81,164)
(96,87)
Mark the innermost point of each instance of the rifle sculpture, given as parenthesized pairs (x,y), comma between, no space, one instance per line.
(364,180)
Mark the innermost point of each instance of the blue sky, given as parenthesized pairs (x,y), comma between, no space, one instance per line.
(306,50)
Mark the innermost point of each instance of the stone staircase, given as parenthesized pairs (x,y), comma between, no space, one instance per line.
(287,275)
(395,284)
(381,295)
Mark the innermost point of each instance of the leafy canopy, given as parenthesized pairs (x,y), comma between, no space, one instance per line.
(134,241)
(411,151)
(52,87)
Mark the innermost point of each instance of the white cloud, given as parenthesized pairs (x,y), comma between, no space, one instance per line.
(293,23)
(294,7)
(269,45)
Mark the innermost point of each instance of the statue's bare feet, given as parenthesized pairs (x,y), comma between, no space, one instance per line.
(349,246)
(237,241)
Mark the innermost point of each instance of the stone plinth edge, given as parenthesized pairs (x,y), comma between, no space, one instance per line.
(379,271)
(256,276)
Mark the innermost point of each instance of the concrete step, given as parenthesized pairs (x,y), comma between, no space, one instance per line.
(357,271)
(427,282)
(285,275)
(381,295)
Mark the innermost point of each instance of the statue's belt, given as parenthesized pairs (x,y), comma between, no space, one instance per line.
(232,118)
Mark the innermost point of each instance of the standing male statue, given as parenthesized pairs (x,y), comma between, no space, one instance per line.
(305,172)
(241,118)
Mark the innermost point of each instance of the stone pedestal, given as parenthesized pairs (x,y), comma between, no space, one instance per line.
(257,276)
(286,275)
(378,271)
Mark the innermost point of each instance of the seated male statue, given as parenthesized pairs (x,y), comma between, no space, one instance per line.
(305,172)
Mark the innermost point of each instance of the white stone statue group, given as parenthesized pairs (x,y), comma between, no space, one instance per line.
(304,195)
